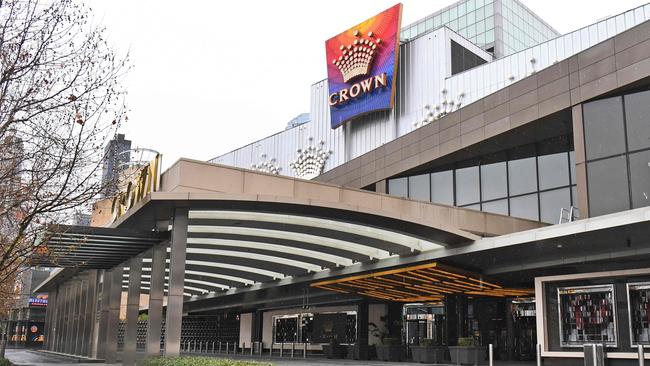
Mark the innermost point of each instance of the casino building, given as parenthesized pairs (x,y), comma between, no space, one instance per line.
(493,191)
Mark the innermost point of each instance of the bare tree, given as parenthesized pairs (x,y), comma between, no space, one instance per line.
(61,100)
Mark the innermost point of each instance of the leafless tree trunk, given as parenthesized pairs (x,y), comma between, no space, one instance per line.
(60,102)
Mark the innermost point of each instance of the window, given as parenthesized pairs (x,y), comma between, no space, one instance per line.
(638,298)
(551,202)
(442,187)
(637,119)
(497,207)
(640,178)
(603,125)
(419,187)
(553,171)
(398,187)
(522,174)
(608,186)
(494,181)
(467,186)
(525,207)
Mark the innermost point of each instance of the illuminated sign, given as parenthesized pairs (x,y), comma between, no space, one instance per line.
(361,66)
(39,300)
(147,180)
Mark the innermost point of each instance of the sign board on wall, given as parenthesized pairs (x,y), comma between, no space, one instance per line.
(361,66)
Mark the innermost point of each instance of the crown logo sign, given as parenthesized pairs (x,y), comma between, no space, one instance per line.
(356,58)
(265,166)
(311,161)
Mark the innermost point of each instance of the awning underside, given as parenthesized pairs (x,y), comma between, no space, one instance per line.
(71,246)
(421,283)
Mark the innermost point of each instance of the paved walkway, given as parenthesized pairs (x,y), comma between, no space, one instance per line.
(22,357)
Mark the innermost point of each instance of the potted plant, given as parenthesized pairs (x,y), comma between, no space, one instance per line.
(429,352)
(466,353)
(390,349)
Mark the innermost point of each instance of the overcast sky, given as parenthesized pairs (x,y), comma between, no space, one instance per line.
(211,76)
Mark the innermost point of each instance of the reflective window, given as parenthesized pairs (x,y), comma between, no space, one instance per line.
(467,187)
(640,178)
(553,170)
(551,202)
(419,187)
(603,124)
(608,188)
(442,187)
(637,118)
(494,181)
(522,174)
(497,207)
(524,207)
(398,187)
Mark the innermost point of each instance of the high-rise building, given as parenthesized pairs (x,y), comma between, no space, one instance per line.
(116,153)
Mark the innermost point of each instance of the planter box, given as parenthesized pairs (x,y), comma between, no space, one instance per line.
(334,351)
(394,353)
(468,355)
(429,354)
(357,352)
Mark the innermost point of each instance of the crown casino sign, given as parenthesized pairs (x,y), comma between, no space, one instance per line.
(361,66)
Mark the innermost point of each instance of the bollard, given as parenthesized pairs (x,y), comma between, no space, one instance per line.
(539,354)
(491,351)
(252,347)
(293,348)
(227,347)
(219,347)
(304,350)
(261,349)
(212,346)
(281,348)
(194,346)
(641,355)
(200,346)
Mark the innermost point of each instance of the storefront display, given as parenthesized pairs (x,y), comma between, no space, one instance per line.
(524,326)
(316,327)
(587,315)
(638,297)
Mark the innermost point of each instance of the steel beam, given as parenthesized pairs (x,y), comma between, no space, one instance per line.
(176,279)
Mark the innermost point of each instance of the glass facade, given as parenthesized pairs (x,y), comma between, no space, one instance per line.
(533,182)
(475,20)
(617,147)
(472,19)
(522,28)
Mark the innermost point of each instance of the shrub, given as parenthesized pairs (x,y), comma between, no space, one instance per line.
(465,341)
(5,362)
(428,342)
(195,361)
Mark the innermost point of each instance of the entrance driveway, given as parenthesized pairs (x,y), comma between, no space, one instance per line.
(21,357)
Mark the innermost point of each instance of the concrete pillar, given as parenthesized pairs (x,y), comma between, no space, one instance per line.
(113,319)
(103,314)
(156,293)
(58,327)
(88,312)
(132,309)
(362,329)
(65,318)
(176,279)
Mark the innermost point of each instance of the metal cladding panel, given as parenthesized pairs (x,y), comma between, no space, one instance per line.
(485,79)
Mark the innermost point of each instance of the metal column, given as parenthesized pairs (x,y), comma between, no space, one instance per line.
(156,293)
(50,316)
(103,314)
(176,278)
(132,308)
(115,295)
(80,301)
(89,313)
